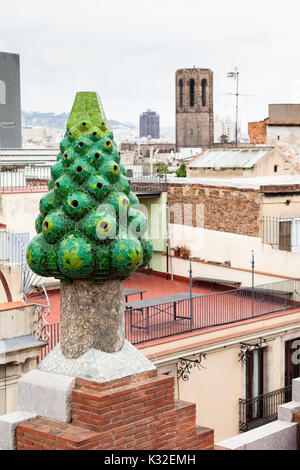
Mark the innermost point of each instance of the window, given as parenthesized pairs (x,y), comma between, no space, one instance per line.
(203,90)
(180,93)
(275,168)
(285,235)
(192,92)
(255,382)
(254,373)
(289,235)
(2,92)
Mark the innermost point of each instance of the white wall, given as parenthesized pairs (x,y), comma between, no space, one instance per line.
(288,135)
(217,246)
(19,211)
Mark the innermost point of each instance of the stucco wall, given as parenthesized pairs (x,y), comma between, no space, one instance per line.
(14,279)
(217,386)
(19,211)
(212,245)
(281,205)
(287,135)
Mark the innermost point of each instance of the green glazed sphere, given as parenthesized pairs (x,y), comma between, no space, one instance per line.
(95,134)
(63,186)
(55,225)
(93,157)
(57,170)
(83,145)
(99,226)
(69,157)
(111,171)
(137,223)
(48,203)
(119,201)
(126,256)
(80,171)
(78,204)
(39,223)
(98,187)
(75,256)
(36,255)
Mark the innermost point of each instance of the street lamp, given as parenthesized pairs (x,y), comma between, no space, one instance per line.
(235,76)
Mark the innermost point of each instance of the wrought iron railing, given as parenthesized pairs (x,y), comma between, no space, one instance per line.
(51,332)
(220,308)
(263,409)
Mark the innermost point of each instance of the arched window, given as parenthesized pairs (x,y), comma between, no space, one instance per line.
(203,91)
(192,92)
(180,93)
(2,92)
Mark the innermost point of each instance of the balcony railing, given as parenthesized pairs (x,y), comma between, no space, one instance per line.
(143,179)
(221,308)
(263,409)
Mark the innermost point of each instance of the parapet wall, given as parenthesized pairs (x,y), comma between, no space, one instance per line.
(136,412)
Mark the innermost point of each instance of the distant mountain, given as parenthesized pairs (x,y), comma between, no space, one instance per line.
(59,121)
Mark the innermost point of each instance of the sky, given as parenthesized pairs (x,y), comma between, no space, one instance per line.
(128,51)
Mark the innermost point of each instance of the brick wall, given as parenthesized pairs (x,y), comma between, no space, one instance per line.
(138,412)
(217,208)
(257,132)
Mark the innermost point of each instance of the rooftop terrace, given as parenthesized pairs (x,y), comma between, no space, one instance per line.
(162,314)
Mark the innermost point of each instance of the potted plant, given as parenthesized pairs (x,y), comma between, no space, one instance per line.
(185,252)
(176,251)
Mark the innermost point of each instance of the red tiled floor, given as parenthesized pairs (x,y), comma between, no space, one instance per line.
(208,310)
(155,286)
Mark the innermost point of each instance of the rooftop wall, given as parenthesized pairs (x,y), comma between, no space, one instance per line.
(289,113)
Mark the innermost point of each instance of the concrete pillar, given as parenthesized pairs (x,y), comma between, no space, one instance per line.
(92,316)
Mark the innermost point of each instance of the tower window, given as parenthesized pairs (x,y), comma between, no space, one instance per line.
(203,90)
(180,92)
(2,92)
(192,92)
(275,168)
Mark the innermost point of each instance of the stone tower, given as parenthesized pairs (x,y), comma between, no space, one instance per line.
(194,108)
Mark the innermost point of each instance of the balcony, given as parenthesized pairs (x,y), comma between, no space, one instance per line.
(263,409)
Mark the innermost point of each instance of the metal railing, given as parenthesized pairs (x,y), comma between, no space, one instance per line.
(27,178)
(263,409)
(51,334)
(220,308)
(281,233)
(142,177)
